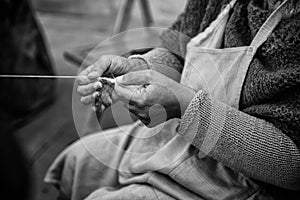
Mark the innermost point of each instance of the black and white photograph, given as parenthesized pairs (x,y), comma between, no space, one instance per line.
(150,99)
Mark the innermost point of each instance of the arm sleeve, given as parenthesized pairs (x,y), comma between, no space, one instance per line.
(163,61)
(242,142)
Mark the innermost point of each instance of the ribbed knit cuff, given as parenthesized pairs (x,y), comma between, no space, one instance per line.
(242,142)
(203,122)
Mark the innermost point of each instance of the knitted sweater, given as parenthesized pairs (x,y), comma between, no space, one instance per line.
(261,139)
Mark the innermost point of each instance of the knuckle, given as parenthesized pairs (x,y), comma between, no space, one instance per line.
(90,88)
(86,70)
(79,90)
(85,100)
(104,62)
(82,73)
(80,81)
(82,99)
(83,80)
(84,91)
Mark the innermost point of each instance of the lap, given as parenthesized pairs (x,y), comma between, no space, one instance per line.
(89,163)
(94,166)
(133,191)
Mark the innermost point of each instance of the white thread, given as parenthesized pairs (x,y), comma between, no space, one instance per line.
(50,76)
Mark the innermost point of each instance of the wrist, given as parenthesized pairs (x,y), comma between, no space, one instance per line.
(137,63)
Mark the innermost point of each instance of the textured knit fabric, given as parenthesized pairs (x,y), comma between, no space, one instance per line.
(271,89)
(161,56)
(262,143)
(163,61)
(246,143)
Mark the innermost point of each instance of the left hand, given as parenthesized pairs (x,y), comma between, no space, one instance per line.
(153,97)
(88,83)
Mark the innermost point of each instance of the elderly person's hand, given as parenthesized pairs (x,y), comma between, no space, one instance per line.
(153,97)
(106,65)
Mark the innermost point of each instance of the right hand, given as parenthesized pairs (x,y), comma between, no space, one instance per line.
(107,65)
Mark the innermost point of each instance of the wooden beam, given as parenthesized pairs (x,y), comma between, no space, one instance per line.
(146,12)
(123,16)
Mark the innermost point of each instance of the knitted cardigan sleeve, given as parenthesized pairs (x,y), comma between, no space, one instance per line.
(242,142)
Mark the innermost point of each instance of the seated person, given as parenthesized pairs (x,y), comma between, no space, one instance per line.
(218,113)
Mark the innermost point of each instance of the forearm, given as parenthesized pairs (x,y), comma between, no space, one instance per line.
(242,142)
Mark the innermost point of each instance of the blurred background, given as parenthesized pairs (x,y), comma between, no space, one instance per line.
(52,37)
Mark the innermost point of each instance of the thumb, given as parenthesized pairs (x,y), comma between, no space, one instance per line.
(126,94)
(135,78)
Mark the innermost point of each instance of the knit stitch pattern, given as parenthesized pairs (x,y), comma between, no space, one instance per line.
(271,87)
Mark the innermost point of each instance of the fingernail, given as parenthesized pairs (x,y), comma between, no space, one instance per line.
(93,75)
(97,85)
(96,94)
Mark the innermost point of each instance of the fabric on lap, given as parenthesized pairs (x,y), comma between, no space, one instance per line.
(84,166)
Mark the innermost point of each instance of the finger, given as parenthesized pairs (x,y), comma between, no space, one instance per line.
(133,94)
(99,109)
(87,70)
(83,78)
(106,99)
(103,64)
(88,99)
(89,88)
(94,108)
(96,94)
(135,78)
(94,71)
(93,75)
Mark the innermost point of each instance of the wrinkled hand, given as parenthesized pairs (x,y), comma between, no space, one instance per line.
(106,65)
(153,97)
